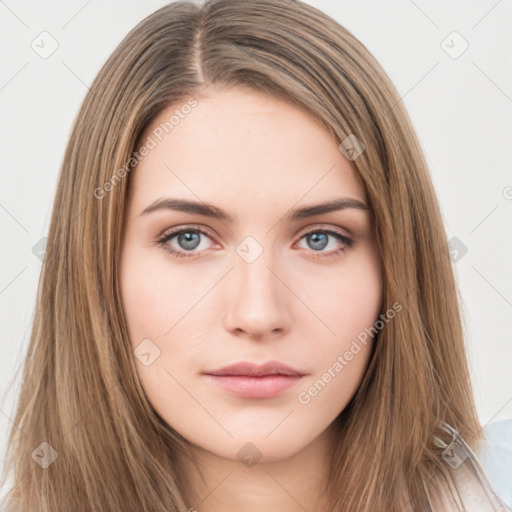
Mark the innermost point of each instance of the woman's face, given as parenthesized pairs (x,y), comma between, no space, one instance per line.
(257,276)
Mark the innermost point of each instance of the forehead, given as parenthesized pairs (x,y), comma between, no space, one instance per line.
(237,144)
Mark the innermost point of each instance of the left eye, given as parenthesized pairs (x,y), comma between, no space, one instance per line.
(318,239)
(189,239)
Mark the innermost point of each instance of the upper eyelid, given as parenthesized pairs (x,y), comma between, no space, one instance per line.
(208,232)
(192,227)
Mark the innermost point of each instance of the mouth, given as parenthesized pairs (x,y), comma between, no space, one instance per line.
(248,380)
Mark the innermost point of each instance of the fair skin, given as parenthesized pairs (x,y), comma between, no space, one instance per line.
(258,159)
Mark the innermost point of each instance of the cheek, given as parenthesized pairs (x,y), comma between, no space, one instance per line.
(154,299)
(350,302)
(350,307)
(341,359)
(160,305)
(154,302)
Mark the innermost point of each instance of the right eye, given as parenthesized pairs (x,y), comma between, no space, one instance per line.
(187,239)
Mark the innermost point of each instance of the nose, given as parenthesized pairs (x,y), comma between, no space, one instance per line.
(258,305)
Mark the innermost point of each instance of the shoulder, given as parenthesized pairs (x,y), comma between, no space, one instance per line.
(479,480)
(496,457)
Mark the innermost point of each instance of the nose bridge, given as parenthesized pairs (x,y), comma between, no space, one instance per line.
(252,270)
(257,302)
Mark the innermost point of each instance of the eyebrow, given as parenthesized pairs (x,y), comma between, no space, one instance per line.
(208,210)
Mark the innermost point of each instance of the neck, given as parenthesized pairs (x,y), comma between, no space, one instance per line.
(294,484)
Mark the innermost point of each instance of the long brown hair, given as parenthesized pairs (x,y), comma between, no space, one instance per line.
(80,391)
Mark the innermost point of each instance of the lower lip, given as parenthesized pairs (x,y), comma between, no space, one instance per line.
(268,386)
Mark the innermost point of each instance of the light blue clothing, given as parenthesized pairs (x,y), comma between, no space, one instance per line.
(496,458)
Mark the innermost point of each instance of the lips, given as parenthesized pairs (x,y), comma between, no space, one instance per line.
(249,369)
(251,381)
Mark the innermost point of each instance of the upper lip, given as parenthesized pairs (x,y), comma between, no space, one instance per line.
(254,370)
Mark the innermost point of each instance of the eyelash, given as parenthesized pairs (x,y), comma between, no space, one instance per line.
(162,241)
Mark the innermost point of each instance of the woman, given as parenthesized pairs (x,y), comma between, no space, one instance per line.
(239,305)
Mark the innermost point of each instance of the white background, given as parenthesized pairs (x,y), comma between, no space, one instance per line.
(461,108)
